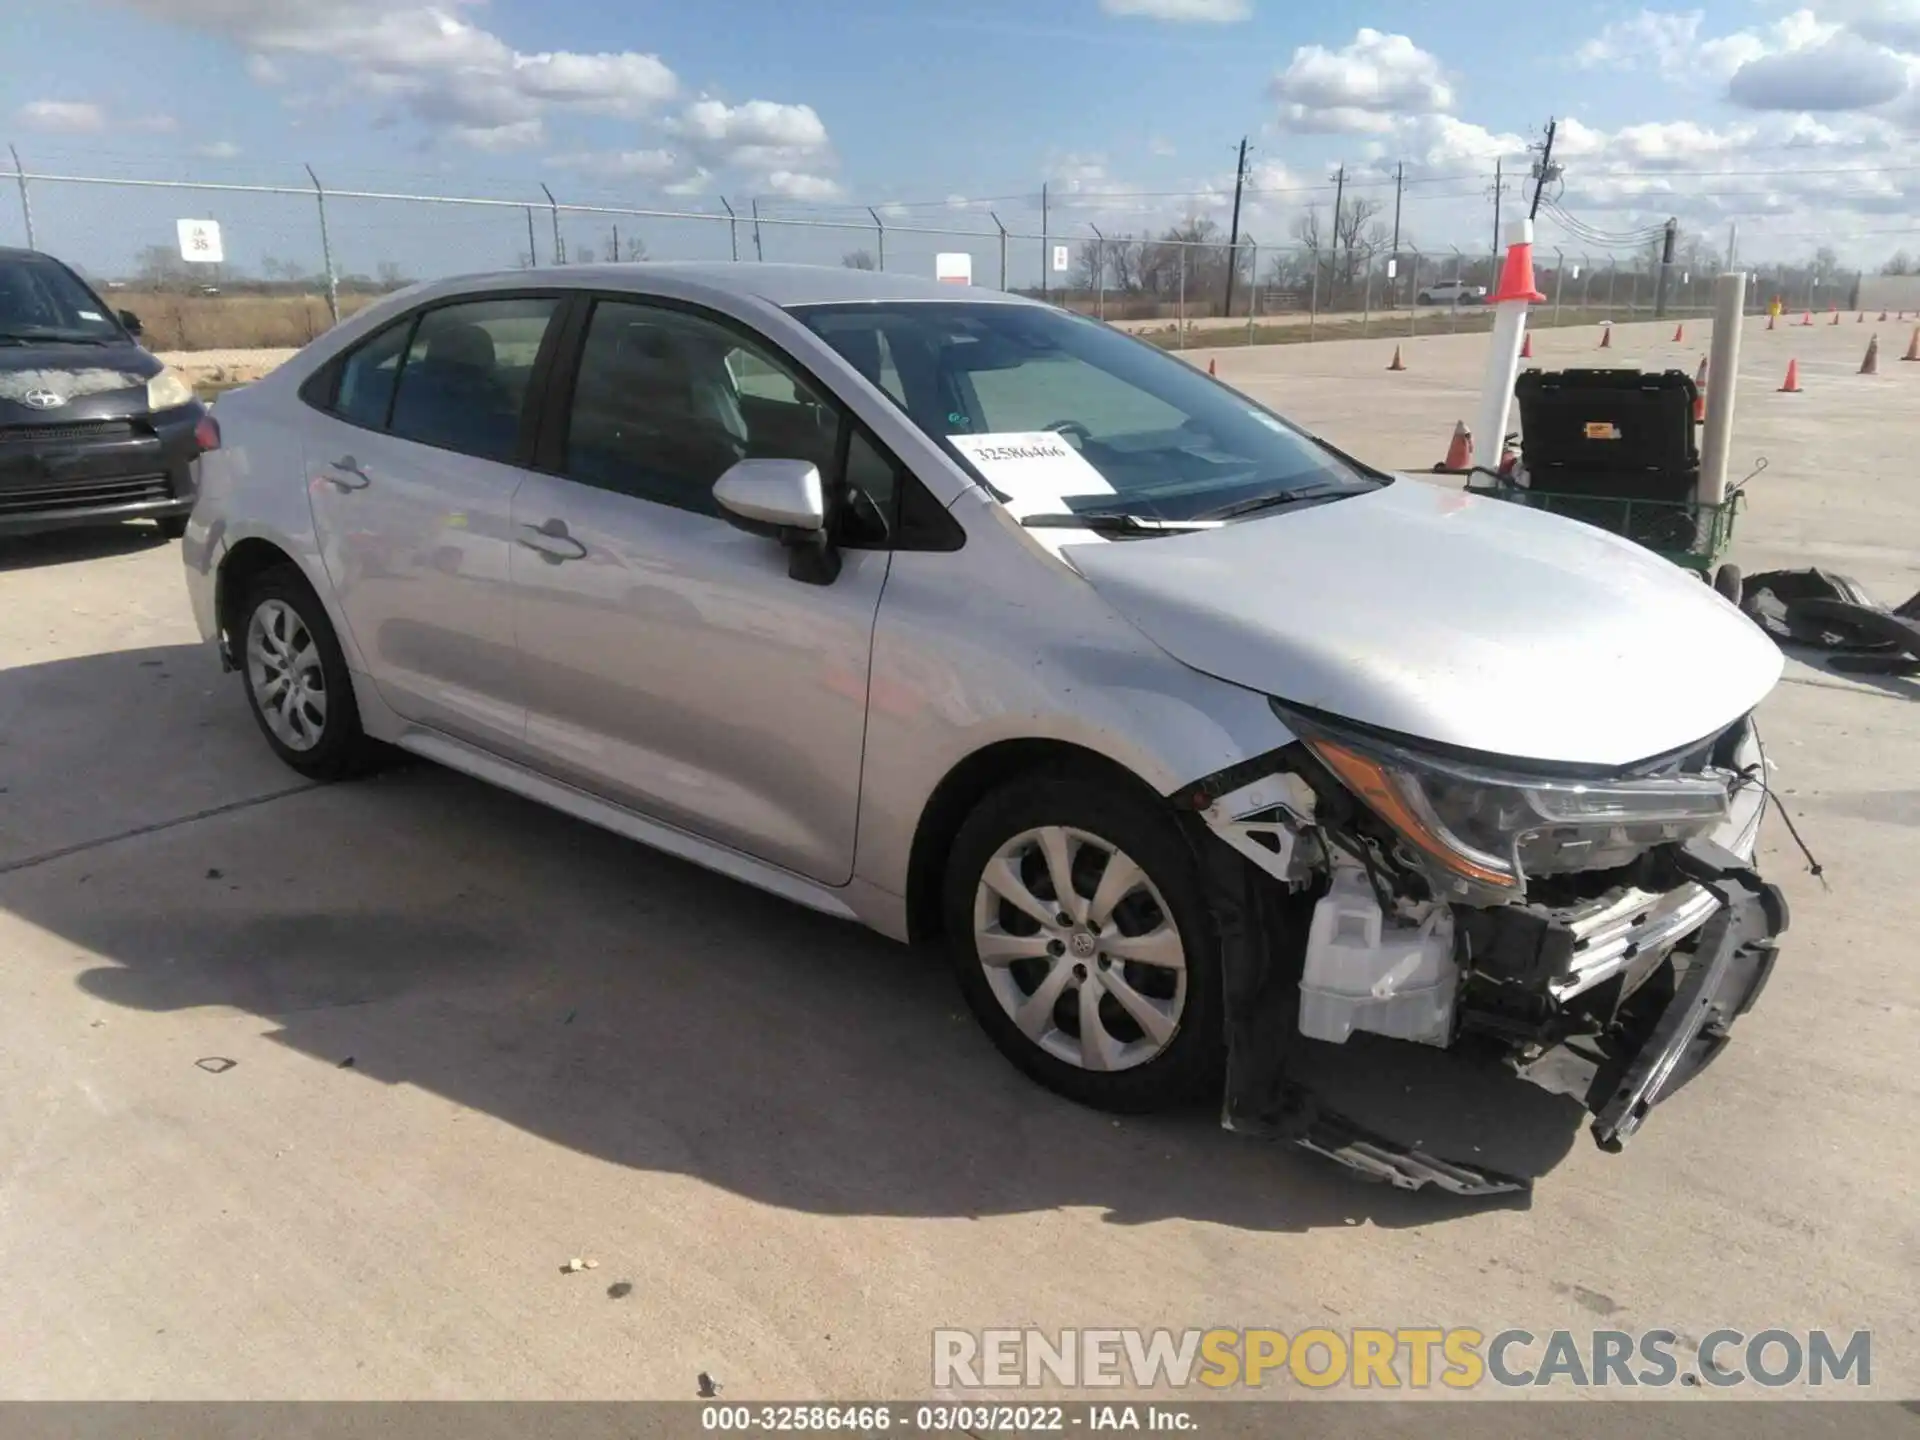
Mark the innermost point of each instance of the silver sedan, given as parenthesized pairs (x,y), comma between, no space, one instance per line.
(959,616)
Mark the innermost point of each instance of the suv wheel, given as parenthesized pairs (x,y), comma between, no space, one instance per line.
(296,678)
(1078,929)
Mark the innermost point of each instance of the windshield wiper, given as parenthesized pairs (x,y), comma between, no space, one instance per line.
(1281,499)
(1112,522)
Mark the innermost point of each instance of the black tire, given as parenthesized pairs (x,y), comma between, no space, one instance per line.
(1727,581)
(172,527)
(343,749)
(1191,1064)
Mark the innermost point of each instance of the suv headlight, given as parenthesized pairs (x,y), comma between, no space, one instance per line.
(168,390)
(1479,829)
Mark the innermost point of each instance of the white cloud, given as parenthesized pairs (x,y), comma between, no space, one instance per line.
(515,135)
(694,183)
(1160,145)
(156,124)
(1213,12)
(63,117)
(218,150)
(427,61)
(799,185)
(1364,87)
(1843,73)
(1667,39)
(641,164)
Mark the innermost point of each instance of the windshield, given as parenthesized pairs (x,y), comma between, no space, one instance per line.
(1058,412)
(42,302)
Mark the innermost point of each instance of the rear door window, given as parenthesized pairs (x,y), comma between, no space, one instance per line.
(463,384)
(366,379)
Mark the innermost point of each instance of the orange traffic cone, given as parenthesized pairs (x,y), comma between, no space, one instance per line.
(1459,449)
(1398,363)
(1606,335)
(1861,318)
(1913,346)
(1792,385)
(1700,393)
(1871,365)
(1679,332)
(1526,346)
(1883,317)
(1806,317)
(1836,315)
(1212,369)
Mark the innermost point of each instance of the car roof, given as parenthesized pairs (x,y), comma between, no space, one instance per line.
(774,284)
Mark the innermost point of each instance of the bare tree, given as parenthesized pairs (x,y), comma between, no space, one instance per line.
(858,260)
(392,277)
(632,248)
(1089,266)
(1123,263)
(159,267)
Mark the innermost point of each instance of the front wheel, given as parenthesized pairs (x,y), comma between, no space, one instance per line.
(1078,929)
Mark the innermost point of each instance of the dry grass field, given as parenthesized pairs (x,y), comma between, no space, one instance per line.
(172,320)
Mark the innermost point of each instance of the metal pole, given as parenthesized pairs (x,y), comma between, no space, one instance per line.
(1182,312)
(26,201)
(1559,282)
(533,250)
(880,236)
(1003,247)
(1253,290)
(759,253)
(1045,257)
(1586,285)
(1613,274)
(1413,295)
(1313,297)
(733,228)
(1723,372)
(1453,317)
(559,245)
(1099,270)
(1366,303)
(326,249)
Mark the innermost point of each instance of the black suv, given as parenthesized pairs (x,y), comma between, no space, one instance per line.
(93,428)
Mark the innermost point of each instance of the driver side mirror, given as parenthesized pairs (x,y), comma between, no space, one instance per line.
(786,501)
(130,322)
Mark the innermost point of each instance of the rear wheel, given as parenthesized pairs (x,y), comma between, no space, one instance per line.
(1078,929)
(1727,581)
(296,678)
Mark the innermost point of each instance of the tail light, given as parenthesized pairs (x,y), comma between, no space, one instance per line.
(206,433)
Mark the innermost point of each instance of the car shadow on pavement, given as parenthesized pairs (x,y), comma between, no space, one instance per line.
(71,547)
(590,991)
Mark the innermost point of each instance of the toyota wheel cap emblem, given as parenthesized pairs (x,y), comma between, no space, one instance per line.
(44,399)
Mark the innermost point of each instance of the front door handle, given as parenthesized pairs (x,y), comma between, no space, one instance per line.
(551,539)
(346,474)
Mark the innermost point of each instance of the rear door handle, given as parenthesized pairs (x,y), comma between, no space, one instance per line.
(346,474)
(551,539)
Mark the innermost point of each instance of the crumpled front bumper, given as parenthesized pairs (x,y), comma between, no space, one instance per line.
(1726,969)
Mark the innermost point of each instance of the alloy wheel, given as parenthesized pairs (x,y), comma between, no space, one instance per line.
(1080,949)
(284,672)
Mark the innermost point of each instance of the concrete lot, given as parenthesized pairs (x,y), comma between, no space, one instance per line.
(471,1039)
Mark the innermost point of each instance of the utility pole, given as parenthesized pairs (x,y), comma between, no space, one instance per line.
(615,256)
(1333,244)
(1046,257)
(1399,190)
(1233,234)
(1666,269)
(1499,188)
(1543,171)
(1733,242)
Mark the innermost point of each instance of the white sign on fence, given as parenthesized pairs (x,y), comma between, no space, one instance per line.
(1393,269)
(954,267)
(200,241)
(1060,258)
(1576,273)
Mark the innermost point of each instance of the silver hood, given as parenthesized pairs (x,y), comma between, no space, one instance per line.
(1449,617)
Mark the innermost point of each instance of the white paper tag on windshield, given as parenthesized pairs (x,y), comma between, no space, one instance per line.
(1035,471)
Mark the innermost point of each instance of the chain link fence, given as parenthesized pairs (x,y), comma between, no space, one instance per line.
(299,254)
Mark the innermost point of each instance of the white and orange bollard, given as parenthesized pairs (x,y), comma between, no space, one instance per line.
(1510,301)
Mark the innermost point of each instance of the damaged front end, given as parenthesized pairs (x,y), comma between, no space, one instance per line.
(1594,932)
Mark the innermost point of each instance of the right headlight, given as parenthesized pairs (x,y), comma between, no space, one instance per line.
(1481,830)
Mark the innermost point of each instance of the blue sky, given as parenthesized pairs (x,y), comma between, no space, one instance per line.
(1796,122)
